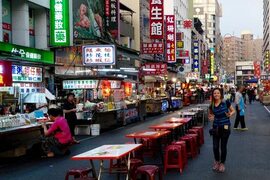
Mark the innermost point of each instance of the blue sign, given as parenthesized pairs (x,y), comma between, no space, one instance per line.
(196,56)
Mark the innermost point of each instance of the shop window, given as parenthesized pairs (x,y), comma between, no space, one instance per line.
(31,27)
(6,21)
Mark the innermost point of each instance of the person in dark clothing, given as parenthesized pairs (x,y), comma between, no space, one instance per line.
(70,113)
(220,112)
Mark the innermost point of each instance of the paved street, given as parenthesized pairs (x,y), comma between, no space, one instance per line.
(248,153)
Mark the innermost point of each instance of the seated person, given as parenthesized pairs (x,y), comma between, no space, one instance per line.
(58,136)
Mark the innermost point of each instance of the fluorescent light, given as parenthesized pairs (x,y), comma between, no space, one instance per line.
(120,75)
(122,68)
(82,71)
(145,69)
(108,70)
(131,70)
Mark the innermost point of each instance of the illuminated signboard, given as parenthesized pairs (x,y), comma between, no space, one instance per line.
(59,32)
(5,74)
(26,74)
(80,84)
(94,55)
(212,61)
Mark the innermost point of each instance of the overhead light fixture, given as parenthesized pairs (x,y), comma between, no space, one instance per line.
(108,70)
(131,70)
(123,68)
(145,69)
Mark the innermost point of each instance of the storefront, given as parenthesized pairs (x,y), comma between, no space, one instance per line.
(23,70)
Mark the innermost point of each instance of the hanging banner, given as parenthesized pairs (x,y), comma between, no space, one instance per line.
(152,48)
(170,39)
(196,56)
(257,69)
(156,19)
(59,26)
(112,18)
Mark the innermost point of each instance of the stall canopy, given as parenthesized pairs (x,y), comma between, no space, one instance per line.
(254,80)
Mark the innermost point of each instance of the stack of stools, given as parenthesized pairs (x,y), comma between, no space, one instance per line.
(183,146)
(134,164)
(150,170)
(79,173)
(201,133)
(196,141)
(173,158)
(191,145)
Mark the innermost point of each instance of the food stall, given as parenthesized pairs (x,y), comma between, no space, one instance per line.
(108,101)
(264,92)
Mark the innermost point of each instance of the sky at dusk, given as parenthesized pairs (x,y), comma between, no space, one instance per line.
(240,15)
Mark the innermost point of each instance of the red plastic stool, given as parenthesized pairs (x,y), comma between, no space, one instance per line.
(78,173)
(150,171)
(172,162)
(191,145)
(122,165)
(196,131)
(201,132)
(183,150)
(196,142)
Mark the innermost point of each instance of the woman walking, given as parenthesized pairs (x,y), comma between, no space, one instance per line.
(220,112)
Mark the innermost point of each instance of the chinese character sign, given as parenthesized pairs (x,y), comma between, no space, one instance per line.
(257,69)
(156,19)
(26,74)
(152,48)
(112,17)
(212,61)
(196,56)
(94,55)
(80,84)
(60,35)
(187,24)
(153,69)
(170,39)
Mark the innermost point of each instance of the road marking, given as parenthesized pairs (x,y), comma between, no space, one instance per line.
(267,109)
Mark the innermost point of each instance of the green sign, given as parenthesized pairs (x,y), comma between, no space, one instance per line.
(27,54)
(60,35)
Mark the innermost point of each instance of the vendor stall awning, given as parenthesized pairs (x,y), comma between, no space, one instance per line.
(254,80)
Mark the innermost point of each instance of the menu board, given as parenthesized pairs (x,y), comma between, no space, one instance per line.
(115,84)
(30,87)
(80,84)
(26,74)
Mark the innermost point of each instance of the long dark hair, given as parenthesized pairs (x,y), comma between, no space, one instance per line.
(212,96)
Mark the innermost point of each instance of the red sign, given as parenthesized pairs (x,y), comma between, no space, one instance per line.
(156,19)
(152,48)
(170,38)
(183,53)
(257,69)
(153,69)
(187,24)
(6,26)
(5,73)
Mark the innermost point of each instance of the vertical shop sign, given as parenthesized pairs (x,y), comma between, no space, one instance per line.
(212,61)
(170,39)
(156,19)
(6,20)
(112,17)
(196,56)
(266,61)
(59,31)
(257,69)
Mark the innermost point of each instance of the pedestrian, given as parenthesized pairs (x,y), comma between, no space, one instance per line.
(240,109)
(58,136)
(220,112)
(70,113)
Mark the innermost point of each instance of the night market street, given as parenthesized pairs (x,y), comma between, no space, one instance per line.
(248,153)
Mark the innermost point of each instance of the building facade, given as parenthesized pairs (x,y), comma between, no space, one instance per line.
(266,33)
